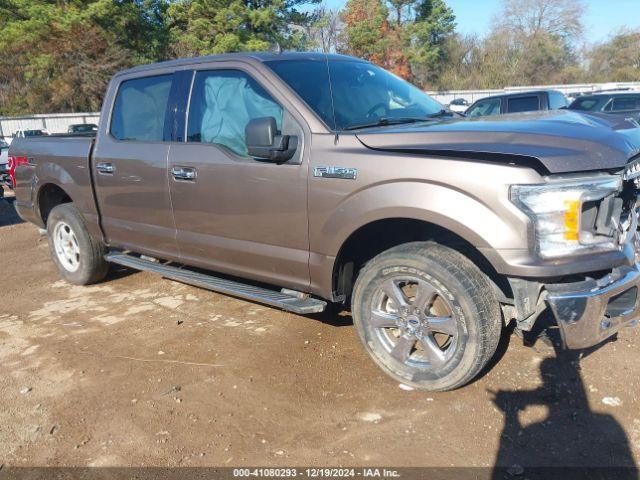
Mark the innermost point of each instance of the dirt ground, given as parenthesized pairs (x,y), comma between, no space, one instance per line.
(142,371)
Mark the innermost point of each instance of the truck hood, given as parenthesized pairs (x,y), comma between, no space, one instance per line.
(559,141)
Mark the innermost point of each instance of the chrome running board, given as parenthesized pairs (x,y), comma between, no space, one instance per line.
(288,300)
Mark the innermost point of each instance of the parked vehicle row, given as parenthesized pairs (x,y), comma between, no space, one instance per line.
(89,128)
(618,103)
(306,179)
(79,128)
(29,133)
(518,103)
(627,103)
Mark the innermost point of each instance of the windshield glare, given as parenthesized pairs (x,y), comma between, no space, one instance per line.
(363,94)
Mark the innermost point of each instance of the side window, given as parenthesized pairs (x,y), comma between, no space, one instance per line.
(624,103)
(485,107)
(222,103)
(140,108)
(523,104)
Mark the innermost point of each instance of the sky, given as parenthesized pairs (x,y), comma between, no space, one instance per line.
(603,16)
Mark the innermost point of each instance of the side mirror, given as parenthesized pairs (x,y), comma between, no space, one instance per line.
(263,141)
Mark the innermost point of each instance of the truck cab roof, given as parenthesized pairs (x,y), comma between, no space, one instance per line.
(243,56)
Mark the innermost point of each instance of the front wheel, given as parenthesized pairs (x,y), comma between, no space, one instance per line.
(426,315)
(78,256)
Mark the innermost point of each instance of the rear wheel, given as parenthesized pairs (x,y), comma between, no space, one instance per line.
(79,257)
(426,315)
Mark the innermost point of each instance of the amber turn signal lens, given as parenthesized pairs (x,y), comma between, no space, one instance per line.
(572,219)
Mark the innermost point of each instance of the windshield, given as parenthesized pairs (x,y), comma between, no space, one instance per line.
(363,94)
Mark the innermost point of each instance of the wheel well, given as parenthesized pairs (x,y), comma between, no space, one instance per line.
(376,237)
(49,197)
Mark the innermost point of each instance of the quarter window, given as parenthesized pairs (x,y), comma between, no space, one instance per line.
(140,108)
(222,104)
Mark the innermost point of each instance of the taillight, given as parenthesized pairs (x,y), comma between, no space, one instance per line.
(13,163)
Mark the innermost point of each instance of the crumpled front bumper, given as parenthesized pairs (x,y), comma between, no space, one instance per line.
(591,311)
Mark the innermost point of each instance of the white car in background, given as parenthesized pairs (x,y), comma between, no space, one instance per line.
(29,133)
(459,105)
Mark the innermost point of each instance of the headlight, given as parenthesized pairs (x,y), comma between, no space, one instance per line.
(555,210)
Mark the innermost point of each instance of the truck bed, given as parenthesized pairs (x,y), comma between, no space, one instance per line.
(64,158)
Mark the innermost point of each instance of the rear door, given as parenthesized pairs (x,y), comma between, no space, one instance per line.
(233,213)
(130,165)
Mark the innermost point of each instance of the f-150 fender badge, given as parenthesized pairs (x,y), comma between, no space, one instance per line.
(344,173)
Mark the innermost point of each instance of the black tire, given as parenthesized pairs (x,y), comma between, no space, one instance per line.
(89,265)
(472,320)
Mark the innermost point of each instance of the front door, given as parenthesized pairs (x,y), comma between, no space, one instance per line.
(233,213)
(130,169)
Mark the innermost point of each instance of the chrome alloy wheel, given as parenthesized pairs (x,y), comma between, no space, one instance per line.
(414,323)
(66,246)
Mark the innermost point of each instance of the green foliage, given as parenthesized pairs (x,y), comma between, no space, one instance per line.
(408,39)
(58,55)
(435,22)
(366,28)
(618,59)
(202,27)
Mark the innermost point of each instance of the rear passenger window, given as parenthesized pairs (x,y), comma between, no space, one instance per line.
(523,104)
(140,108)
(222,103)
(624,103)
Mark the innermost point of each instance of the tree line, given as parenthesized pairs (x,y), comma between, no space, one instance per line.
(58,55)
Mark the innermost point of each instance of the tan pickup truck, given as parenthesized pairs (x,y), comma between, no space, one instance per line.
(304,179)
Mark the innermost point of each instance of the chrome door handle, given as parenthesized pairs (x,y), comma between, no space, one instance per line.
(105,168)
(184,173)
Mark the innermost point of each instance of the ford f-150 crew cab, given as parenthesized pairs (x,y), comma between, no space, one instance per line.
(304,179)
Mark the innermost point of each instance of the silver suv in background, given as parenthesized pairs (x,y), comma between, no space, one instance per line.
(627,103)
(517,103)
